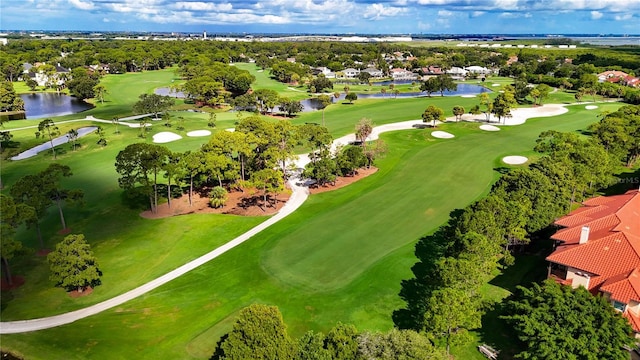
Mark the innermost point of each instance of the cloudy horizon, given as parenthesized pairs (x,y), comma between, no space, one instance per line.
(327,16)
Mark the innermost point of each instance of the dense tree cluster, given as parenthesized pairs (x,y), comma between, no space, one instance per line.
(260,333)
(82,83)
(442,297)
(9,99)
(247,157)
(583,326)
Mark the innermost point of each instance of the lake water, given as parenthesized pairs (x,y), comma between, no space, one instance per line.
(463,89)
(165,91)
(40,105)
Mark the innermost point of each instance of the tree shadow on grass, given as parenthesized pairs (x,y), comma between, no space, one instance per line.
(495,332)
(624,182)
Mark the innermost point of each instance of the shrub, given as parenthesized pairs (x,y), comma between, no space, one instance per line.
(218,197)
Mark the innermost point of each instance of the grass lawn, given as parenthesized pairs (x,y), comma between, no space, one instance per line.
(340,257)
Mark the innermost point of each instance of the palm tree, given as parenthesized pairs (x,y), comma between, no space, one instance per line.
(115,121)
(52,130)
(73,137)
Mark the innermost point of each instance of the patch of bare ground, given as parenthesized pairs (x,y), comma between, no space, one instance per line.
(343,181)
(16,282)
(244,203)
(76,293)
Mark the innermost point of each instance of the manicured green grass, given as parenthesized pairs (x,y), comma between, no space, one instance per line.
(340,257)
(264,81)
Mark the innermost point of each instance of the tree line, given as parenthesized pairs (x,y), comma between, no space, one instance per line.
(260,333)
(443,298)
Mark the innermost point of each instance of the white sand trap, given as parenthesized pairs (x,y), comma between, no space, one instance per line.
(489,128)
(590,107)
(197,133)
(515,160)
(165,137)
(520,115)
(467,96)
(495,84)
(442,135)
(231,129)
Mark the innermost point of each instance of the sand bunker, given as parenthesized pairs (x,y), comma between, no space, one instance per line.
(495,84)
(514,160)
(590,107)
(197,133)
(489,128)
(165,137)
(442,135)
(467,96)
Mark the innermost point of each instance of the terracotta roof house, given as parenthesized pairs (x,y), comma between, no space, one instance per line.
(599,248)
(607,75)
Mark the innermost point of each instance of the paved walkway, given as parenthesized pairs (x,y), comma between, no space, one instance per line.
(297,198)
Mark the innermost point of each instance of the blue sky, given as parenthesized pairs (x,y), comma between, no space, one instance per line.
(327,16)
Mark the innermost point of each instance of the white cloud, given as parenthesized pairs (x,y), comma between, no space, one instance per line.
(445,13)
(379,11)
(478,13)
(82,5)
(202,6)
(515,15)
(595,15)
(624,17)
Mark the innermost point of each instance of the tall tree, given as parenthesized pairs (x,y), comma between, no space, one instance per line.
(458,111)
(141,163)
(351,97)
(73,265)
(430,86)
(12,215)
(30,190)
(51,177)
(153,103)
(325,100)
(268,181)
(451,314)
(446,83)
(51,130)
(503,103)
(558,322)
(432,113)
(100,91)
(364,128)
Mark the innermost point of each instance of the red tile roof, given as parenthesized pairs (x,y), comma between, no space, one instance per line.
(611,254)
(623,287)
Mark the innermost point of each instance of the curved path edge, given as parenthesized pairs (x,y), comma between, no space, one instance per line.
(298,197)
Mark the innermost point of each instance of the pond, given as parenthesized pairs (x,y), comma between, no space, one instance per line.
(165,91)
(40,105)
(57,141)
(463,89)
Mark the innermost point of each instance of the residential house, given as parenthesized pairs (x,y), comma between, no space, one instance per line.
(324,71)
(457,72)
(41,78)
(375,73)
(610,75)
(599,249)
(350,73)
(402,74)
(480,70)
